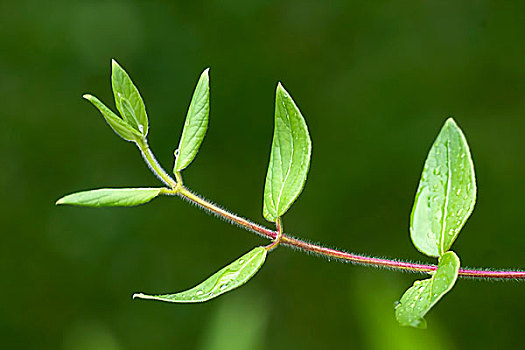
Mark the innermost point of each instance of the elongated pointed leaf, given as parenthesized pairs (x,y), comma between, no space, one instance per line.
(446,194)
(128,99)
(111,197)
(195,125)
(119,126)
(289,157)
(423,295)
(228,278)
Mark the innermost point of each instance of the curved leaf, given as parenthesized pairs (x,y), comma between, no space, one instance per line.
(111,197)
(423,295)
(289,158)
(195,125)
(228,278)
(446,194)
(128,99)
(119,126)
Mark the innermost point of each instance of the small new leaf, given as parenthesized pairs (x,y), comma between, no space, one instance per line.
(446,194)
(128,99)
(195,125)
(111,197)
(228,278)
(289,157)
(119,126)
(423,295)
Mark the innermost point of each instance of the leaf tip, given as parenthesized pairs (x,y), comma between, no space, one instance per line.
(60,201)
(450,121)
(87,96)
(137,296)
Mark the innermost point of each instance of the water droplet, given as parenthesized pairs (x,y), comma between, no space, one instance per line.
(141,128)
(462,155)
(436,171)
(468,187)
(223,286)
(458,191)
(451,232)
(413,305)
(200,292)
(241,261)
(176,153)
(460,211)
(397,304)
(210,294)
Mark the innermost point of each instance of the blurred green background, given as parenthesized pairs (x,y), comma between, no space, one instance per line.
(375,81)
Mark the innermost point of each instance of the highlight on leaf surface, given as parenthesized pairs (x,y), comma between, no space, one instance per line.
(111,197)
(423,295)
(128,99)
(446,194)
(228,278)
(119,126)
(195,125)
(289,157)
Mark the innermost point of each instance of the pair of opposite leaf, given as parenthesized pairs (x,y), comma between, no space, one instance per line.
(287,170)
(444,200)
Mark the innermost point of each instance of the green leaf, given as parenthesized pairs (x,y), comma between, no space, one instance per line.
(289,158)
(423,295)
(195,125)
(228,278)
(111,197)
(119,126)
(128,99)
(446,194)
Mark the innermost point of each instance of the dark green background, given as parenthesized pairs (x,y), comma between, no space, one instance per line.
(375,81)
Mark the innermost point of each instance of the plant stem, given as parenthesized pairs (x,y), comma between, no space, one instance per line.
(154,166)
(280,237)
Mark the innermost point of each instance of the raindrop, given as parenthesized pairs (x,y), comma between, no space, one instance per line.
(460,211)
(223,286)
(176,153)
(458,191)
(200,292)
(210,294)
(436,171)
(397,304)
(241,261)
(141,128)
(451,232)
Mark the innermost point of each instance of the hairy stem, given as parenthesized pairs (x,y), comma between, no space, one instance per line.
(154,166)
(280,237)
